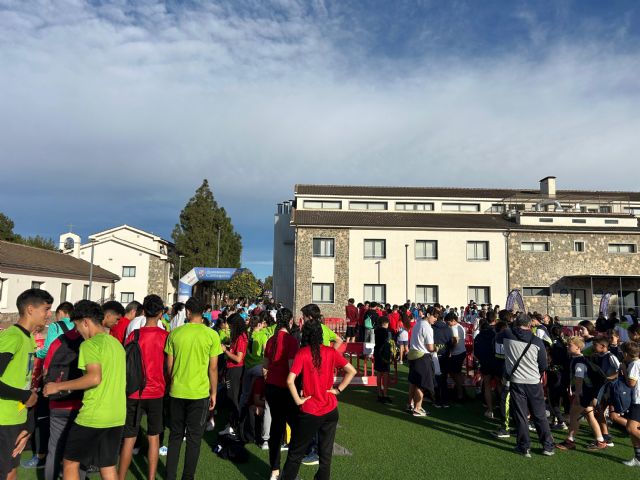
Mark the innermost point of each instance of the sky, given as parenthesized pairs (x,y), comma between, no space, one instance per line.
(114,112)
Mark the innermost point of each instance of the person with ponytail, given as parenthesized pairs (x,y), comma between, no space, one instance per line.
(319,404)
(279,353)
(235,354)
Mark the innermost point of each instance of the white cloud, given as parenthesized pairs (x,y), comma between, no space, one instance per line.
(276,94)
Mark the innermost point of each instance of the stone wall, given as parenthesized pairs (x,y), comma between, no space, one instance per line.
(8,319)
(562,269)
(157,277)
(303,271)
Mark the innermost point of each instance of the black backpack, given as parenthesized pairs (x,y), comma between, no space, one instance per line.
(64,365)
(136,375)
(232,450)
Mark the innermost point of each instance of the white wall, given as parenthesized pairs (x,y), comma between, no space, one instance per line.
(451,272)
(15,284)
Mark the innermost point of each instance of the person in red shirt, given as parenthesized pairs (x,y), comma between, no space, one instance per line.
(319,403)
(151,339)
(279,353)
(133,310)
(352,315)
(362,310)
(394,320)
(235,365)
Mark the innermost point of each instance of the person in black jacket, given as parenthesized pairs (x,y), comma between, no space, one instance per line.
(483,350)
(525,361)
(443,339)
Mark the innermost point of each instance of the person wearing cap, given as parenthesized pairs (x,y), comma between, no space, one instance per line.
(525,361)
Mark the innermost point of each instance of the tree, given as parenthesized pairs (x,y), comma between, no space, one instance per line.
(196,235)
(268,283)
(244,285)
(7,233)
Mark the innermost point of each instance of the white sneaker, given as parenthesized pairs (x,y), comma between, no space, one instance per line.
(274,476)
(227,431)
(136,451)
(265,446)
(163,451)
(634,462)
(211,424)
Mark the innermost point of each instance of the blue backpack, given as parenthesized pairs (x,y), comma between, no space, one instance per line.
(620,395)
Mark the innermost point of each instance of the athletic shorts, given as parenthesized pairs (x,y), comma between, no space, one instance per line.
(633,413)
(351,332)
(421,373)
(454,363)
(403,342)
(8,436)
(136,408)
(93,446)
(587,397)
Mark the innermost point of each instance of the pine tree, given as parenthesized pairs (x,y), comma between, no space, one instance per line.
(196,236)
(7,233)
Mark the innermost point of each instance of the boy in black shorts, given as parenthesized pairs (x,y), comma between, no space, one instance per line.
(17,354)
(94,438)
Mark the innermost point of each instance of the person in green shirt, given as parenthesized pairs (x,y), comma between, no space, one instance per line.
(17,355)
(94,438)
(260,334)
(192,362)
(329,337)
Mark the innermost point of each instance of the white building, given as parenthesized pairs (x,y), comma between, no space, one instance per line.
(64,277)
(139,258)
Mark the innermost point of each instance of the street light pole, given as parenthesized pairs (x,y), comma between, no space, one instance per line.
(406,271)
(91,270)
(180,266)
(218,246)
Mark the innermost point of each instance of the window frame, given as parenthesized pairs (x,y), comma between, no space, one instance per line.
(583,243)
(459,207)
(64,289)
(322,285)
(321,239)
(547,289)
(85,292)
(436,294)
(486,259)
(367,205)
(430,206)
(374,257)
(634,248)
(129,267)
(322,206)
(122,299)
(383,286)
(36,284)
(415,248)
(474,298)
(533,243)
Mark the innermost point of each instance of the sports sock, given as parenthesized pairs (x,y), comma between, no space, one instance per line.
(637,452)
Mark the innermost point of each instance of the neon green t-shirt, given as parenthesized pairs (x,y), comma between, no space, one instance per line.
(22,346)
(256,355)
(191,346)
(105,405)
(328,336)
(225,335)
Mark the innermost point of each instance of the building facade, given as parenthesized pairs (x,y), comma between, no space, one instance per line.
(562,249)
(66,278)
(139,258)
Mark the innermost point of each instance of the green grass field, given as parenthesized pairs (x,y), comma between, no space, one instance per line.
(390,444)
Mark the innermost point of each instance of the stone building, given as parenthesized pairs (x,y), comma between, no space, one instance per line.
(139,258)
(563,249)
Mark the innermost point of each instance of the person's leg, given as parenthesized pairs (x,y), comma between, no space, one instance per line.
(177,425)
(385,384)
(418,396)
(326,437)
(593,423)
(110,473)
(520,409)
(153,453)
(301,437)
(196,418)
(277,405)
(266,422)
(537,409)
(247,383)
(126,453)
(412,394)
(13,474)
(380,387)
(59,423)
(71,470)
(488,392)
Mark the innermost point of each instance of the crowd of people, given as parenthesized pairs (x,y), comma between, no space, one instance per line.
(79,398)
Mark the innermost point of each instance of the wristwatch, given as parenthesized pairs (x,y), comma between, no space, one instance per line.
(339,391)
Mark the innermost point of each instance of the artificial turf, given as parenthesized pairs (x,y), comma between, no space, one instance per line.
(388,443)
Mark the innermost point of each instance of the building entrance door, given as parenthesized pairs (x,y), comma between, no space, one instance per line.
(578,303)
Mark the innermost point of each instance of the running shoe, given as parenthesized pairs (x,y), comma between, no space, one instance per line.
(34,462)
(311,459)
(566,445)
(608,439)
(634,462)
(163,451)
(548,453)
(525,453)
(597,445)
(501,433)
(264,446)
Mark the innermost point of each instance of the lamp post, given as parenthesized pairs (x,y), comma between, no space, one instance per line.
(378,264)
(218,247)
(506,253)
(180,267)
(91,269)
(406,271)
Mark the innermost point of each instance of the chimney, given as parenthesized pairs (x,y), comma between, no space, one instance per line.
(548,186)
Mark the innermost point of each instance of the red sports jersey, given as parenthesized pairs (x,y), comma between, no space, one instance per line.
(152,342)
(120,329)
(280,348)
(240,345)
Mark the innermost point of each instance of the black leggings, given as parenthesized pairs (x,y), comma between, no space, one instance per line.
(283,410)
(302,435)
(234,386)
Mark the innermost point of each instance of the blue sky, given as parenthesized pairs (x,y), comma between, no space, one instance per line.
(114,112)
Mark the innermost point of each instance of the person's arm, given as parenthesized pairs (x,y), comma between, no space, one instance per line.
(431,347)
(170,366)
(337,342)
(11,393)
(90,379)
(349,373)
(234,357)
(291,384)
(578,391)
(213,381)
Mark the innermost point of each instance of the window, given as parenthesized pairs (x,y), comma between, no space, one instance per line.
(367,205)
(64,292)
(622,248)
(632,210)
(536,292)
(517,206)
(545,220)
(322,293)
(325,205)
(427,249)
(479,295)
(2,290)
(128,272)
(604,209)
(426,294)
(126,297)
(323,247)
(375,249)
(414,206)
(578,220)
(609,221)
(85,292)
(460,207)
(375,293)
(535,246)
(497,208)
(578,246)
(103,296)
(477,250)
(37,285)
